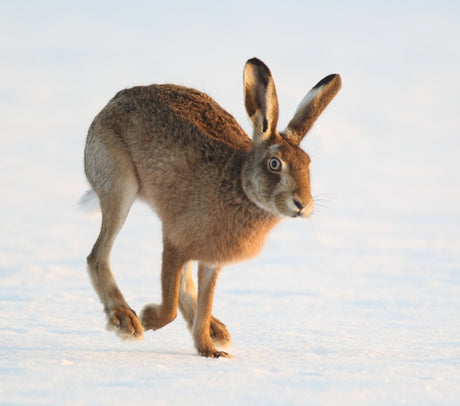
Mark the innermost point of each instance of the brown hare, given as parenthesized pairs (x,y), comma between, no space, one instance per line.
(216,192)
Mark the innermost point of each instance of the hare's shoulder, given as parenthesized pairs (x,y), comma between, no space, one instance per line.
(199,110)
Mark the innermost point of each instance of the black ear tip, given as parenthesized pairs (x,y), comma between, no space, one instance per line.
(256,62)
(328,79)
(262,70)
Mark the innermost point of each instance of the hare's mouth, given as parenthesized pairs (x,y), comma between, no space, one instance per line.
(303,212)
(295,208)
(307,210)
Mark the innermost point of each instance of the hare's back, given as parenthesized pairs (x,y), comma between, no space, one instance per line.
(173,107)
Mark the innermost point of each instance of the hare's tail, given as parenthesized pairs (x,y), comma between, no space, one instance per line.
(89,203)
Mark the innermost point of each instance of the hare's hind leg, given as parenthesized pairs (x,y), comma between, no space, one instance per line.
(187,305)
(115,201)
(207,277)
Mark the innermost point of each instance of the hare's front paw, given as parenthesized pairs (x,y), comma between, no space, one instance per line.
(205,346)
(154,316)
(219,333)
(210,352)
(125,323)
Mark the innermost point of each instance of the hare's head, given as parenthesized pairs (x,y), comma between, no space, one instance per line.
(277,174)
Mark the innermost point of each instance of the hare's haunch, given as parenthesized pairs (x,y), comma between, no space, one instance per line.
(217,192)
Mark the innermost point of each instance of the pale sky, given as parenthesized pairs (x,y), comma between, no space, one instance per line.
(399,61)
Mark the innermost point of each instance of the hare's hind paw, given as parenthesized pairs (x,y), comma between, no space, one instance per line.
(219,333)
(125,323)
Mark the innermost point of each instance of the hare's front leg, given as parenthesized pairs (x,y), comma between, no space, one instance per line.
(187,305)
(155,316)
(207,277)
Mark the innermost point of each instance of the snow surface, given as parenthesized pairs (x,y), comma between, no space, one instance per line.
(358,305)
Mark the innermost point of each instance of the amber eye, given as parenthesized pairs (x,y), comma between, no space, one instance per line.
(274,164)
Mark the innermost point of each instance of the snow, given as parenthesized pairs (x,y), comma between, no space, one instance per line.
(358,305)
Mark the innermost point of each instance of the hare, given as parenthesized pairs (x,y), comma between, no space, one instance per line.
(216,192)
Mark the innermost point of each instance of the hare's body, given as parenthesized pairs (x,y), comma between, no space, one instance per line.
(172,164)
(216,192)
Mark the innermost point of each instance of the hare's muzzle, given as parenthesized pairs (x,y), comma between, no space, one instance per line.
(303,211)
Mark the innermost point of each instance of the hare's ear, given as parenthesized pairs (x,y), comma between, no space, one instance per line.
(312,106)
(260,99)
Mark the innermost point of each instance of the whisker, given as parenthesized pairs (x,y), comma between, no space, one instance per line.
(323,200)
(325,196)
(317,210)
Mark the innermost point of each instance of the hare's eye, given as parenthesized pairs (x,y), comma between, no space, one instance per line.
(274,165)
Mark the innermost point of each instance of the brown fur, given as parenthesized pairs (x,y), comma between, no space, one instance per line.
(211,186)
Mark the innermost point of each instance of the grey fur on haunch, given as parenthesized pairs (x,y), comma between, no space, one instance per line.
(217,192)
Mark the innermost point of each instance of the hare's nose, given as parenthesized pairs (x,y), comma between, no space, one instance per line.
(298,204)
(307,210)
(304,210)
